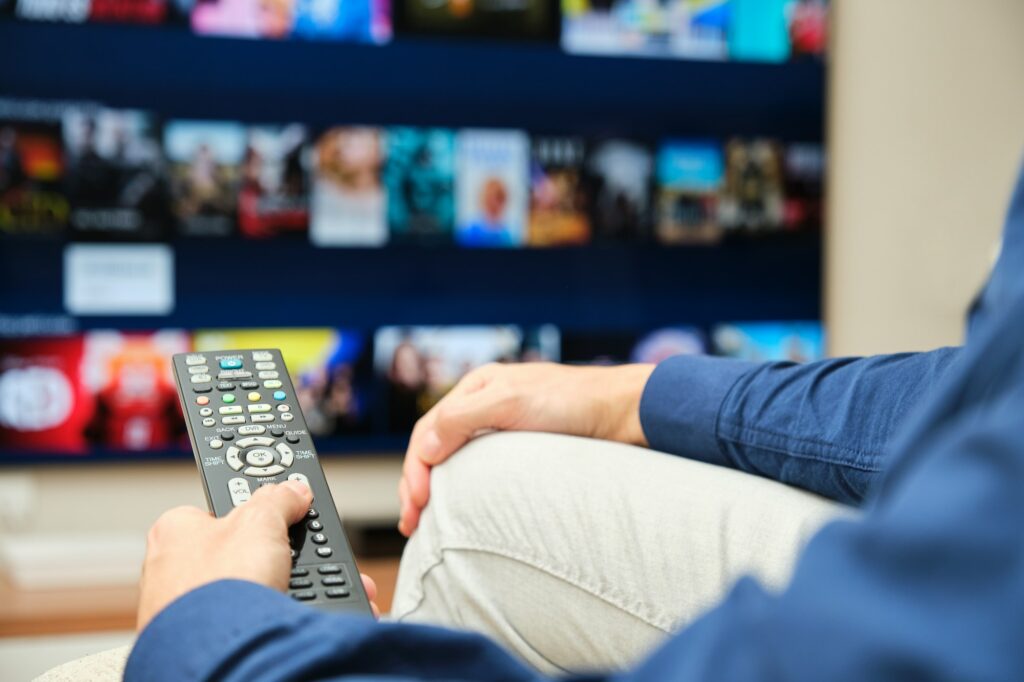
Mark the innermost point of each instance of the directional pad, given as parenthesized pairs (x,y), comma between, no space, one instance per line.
(260,457)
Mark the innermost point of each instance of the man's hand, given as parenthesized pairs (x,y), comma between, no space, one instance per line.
(596,402)
(187,547)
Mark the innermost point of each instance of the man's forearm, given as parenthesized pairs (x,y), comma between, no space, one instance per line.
(822,426)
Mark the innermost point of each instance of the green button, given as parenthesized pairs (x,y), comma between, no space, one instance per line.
(229,397)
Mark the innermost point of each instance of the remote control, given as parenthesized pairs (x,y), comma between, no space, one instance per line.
(247,431)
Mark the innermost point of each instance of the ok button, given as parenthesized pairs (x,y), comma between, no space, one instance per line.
(260,457)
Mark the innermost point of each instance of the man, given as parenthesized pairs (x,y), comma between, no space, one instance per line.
(928,583)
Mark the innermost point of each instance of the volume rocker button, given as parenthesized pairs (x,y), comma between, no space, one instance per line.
(239,490)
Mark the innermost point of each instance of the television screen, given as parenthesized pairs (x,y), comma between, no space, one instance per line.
(558,198)
(419,176)
(522,19)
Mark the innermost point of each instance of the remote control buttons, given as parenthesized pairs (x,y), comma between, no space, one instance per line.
(231,374)
(300,572)
(202,389)
(231,421)
(259,407)
(337,593)
(209,421)
(299,583)
(227,435)
(276,432)
(254,396)
(268,375)
(312,513)
(225,386)
(329,569)
(263,417)
(231,409)
(205,411)
(233,460)
(272,383)
(283,408)
(324,552)
(263,472)
(265,365)
(333,580)
(315,526)
(216,443)
(228,397)
(199,369)
(202,400)
(249,385)
(292,438)
(231,363)
(255,441)
(259,457)
(320,539)
(287,456)
(201,378)
(250,430)
(262,355)
(238,488)
(304,596)
(287,417)
(195,359)
(279,395)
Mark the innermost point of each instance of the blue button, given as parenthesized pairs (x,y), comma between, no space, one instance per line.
(231,363)
(279,395)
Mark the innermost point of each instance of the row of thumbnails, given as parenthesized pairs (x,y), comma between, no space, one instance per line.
(114,390)
(89,172)
(754,30)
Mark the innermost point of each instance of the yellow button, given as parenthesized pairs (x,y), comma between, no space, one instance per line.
(254,396)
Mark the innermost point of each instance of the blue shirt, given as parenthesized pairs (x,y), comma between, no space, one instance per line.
(928,584)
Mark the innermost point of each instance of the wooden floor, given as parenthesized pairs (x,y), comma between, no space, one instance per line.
(52,612)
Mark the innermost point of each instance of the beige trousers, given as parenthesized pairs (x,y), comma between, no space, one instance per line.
(578,554)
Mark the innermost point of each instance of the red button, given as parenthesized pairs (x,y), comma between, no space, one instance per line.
(202,400)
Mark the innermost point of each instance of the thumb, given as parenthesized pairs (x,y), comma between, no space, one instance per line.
(288,501)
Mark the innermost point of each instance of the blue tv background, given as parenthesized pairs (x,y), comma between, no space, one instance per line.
(443,82)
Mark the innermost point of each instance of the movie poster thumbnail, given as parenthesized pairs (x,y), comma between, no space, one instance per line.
(558,199)
(762,341)
(349,204)
(32,173)
(116,175)
(616,348)
(690,175)
(274,195)
(350,21)
(752,194)
(513,19)
(150,12)
(687,29)
(417,366)
(804,186)
(619,182)
(205,173)
(331,370)
(491,188)
(63,11)
(420,179)
(103,390)
(244,18)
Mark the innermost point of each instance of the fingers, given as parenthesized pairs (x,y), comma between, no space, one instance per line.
(370,586)
(409,514)
(288,501)
(457,420)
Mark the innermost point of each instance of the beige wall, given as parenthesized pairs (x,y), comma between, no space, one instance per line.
(926,131)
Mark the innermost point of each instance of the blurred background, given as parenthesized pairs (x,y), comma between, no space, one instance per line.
(396,192)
